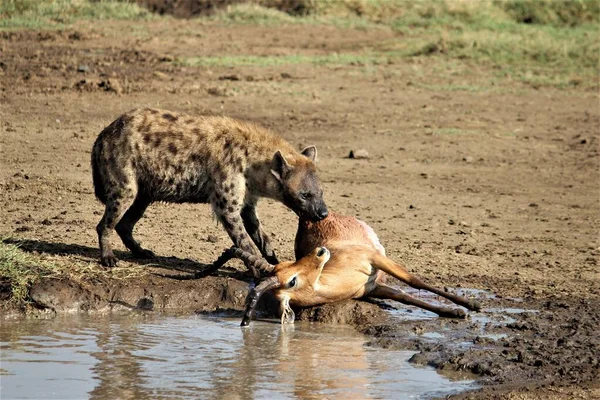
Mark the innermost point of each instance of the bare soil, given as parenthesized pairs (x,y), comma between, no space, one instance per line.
(490,187)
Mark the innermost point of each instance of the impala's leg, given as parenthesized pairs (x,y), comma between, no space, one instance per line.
(386,292)
(385,264)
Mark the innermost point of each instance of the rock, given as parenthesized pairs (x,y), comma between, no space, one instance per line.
(212,238)
(468,159)
(359,154)
(83,68)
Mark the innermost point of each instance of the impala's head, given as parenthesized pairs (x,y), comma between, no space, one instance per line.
(293,282)
(302,276)
(300,188)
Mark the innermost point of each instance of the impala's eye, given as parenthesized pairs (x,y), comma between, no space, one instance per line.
(306,195)
(292,282)
(321,252)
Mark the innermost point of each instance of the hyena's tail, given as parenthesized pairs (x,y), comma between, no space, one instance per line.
(383,263)
(99,187)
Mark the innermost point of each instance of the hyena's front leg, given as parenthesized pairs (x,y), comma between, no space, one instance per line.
(228,210)
(258,235)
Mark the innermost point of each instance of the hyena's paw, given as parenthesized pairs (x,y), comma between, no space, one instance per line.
(109,260)
(143,253)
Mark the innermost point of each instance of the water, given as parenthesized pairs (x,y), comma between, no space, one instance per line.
(140,356)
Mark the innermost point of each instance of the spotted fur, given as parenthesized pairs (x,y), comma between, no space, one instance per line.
(150,155)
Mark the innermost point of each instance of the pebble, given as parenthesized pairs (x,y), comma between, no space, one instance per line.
(468,159)
(359,154)
(212,238)
(83,68)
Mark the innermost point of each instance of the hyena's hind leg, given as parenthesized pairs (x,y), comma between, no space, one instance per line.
(125,227)
(117,203)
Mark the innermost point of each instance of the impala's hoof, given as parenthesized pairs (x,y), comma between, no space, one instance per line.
(474,305)
(453,313)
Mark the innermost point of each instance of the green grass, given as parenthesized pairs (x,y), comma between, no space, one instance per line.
(537,42)
(44,14)
(23,270)
(265,61)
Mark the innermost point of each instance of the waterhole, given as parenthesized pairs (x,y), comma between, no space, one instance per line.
(145,356)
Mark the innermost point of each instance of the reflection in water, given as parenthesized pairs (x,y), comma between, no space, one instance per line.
(149,356)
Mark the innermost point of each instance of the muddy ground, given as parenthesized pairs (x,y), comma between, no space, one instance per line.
(471,181)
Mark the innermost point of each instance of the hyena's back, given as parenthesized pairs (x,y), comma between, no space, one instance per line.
(165,156)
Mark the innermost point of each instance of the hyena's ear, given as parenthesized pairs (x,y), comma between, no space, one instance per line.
(311,153)
(280,167)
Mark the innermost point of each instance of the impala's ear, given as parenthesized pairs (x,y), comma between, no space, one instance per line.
(322,254)
(280,167)
(311,153)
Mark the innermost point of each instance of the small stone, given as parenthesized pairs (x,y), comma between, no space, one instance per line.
(359,154)
(212,238)
(468,159)
(285,75)
(83,68)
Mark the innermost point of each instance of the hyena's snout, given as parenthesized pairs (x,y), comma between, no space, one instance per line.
(319,211)
(322,212)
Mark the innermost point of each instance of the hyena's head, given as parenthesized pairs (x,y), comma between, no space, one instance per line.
(299,184)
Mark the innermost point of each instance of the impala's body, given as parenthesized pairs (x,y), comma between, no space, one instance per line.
(340,258)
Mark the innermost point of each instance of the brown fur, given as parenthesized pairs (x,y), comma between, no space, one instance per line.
(150,155)
(341,258)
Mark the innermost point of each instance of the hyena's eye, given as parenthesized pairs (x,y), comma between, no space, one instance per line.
(306,195)
(292,282)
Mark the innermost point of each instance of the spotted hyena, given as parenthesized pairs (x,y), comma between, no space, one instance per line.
(150,155)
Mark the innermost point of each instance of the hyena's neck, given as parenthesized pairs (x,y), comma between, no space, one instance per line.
(260,181)
(259,176)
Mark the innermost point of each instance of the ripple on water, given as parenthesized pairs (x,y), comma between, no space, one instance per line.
(149,356)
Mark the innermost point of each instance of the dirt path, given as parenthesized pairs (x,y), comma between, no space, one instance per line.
(472,182)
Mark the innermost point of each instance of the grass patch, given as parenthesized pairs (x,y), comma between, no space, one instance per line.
(45,14)
(537,42)
(22,269)
(266,61)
